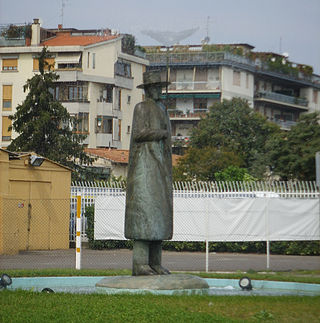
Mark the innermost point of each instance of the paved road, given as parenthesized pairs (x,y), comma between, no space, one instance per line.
(175,261)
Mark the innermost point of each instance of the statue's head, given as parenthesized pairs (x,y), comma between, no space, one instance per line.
(152,84)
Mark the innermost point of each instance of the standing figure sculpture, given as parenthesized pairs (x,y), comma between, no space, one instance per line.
(149,205)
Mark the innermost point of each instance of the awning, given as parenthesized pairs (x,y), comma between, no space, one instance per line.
(192,96)
(68,59)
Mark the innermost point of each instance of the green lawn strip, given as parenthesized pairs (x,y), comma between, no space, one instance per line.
(23,306)
(292,276)
(63,272)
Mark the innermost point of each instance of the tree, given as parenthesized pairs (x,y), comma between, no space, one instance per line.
(128,44)
(293,153)
(232,126)
(43,124)
(234,173)
(202,164)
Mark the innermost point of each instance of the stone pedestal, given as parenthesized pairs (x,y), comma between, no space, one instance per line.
(154,282)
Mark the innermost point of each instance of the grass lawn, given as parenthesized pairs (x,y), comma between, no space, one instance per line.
(23,306)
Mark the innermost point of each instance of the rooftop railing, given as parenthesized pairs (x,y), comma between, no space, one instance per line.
(191,58)
(197,57)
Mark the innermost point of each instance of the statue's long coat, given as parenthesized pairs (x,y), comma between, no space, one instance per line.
(149,210)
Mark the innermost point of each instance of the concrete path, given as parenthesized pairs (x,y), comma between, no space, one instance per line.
(174,261)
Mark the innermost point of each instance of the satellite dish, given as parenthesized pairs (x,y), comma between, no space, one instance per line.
(169,38)
(205,41)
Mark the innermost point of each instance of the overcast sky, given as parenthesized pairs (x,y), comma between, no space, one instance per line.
(281,26)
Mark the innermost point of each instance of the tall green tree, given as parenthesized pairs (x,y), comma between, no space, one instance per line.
(233,126)
(44,124)
(293,153)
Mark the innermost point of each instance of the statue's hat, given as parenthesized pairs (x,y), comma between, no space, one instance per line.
(152,78)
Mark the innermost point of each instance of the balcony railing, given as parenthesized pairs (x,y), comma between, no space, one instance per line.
(282,98)
(196,113)
(194,86)
(286,125)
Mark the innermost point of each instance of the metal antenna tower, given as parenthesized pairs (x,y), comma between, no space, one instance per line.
(63,4)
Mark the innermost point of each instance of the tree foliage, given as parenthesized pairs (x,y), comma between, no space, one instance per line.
(234,173)
(13,32)
(128,44)
(293,153)
(202,163)
(43,124)
(233,126)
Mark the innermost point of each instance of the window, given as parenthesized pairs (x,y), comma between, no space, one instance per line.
(185,79)
(49,64)
(247,80)
(119,130)
(129,99)
(315,96)
(75,93)
(6,97)
(107,94)
(236,78)
(55,92)
(122,68)
(128,129)
(109,98)
(118,100)
(88,60)
(93,60)
(103,124)
(200,103)
(6,134)
(172,103)
(82,125)
(9,64)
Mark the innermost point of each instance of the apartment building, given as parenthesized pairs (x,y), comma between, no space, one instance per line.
(202,75)
(97,80)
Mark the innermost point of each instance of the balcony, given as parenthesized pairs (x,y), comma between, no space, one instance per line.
(196,114)
(195,86)
(107,109)
(106,140)
(282,99)
(76,107)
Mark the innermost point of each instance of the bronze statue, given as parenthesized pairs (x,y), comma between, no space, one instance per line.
(149,206)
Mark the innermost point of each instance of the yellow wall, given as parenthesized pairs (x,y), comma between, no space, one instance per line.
(34,205)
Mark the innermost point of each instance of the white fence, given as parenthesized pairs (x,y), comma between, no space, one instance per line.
(214,211)
(225,190)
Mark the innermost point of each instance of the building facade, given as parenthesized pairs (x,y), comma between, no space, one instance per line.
(97,80)
(202,75)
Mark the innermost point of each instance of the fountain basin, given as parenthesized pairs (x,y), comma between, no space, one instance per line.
(217,286)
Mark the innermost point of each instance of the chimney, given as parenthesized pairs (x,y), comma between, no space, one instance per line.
(35,33)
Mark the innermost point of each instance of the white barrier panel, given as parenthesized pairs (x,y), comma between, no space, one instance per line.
(294,219)
(109,217)
(200,218)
